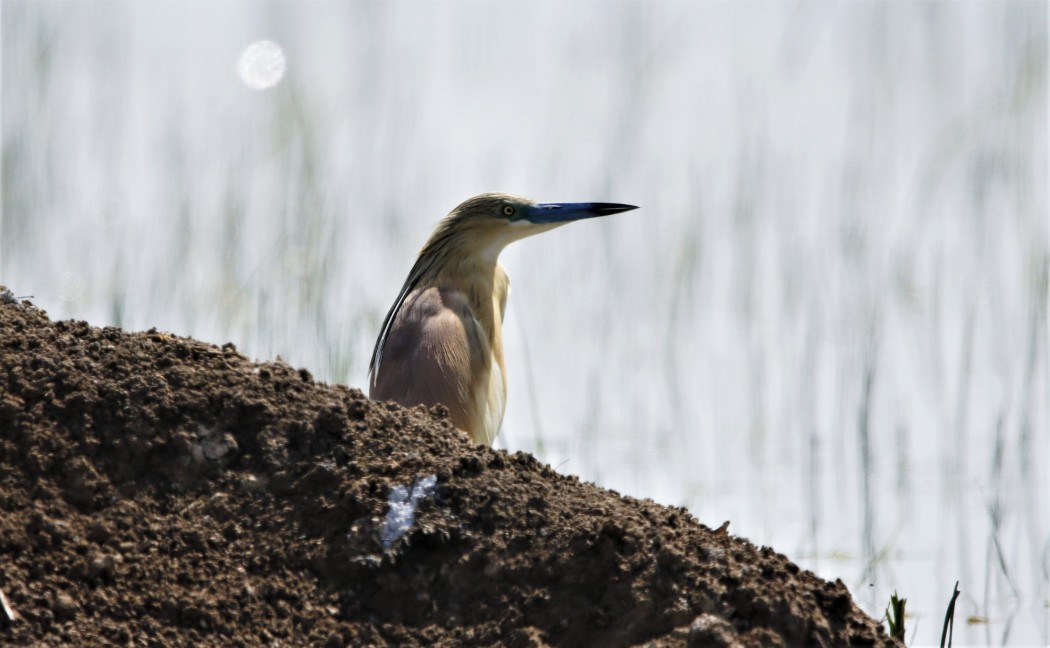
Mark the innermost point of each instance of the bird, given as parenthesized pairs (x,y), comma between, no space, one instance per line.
(441,341)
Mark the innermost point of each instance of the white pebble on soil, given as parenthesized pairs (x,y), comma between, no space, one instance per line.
(402,513)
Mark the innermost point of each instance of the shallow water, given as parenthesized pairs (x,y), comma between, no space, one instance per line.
(827,323)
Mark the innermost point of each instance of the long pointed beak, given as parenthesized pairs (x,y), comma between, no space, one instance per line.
(565,212)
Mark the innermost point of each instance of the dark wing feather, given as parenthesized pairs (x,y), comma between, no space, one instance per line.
(421,267)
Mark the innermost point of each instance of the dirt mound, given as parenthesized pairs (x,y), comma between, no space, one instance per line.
(159,491)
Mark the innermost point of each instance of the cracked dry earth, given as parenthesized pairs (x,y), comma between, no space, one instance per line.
(156,491)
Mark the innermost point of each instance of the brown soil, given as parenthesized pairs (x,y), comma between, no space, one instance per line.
(156,490)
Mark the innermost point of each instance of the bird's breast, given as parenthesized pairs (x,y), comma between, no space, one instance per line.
(491,399)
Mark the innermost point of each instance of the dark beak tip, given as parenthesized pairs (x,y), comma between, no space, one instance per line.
(613,208)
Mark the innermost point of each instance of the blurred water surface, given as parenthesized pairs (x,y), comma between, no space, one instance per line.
(827,323)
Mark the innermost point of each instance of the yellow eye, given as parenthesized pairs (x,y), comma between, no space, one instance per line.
(508,210)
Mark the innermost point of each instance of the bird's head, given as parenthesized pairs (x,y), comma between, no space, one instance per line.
(490,221)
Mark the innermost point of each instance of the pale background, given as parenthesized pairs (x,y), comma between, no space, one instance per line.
(827,323)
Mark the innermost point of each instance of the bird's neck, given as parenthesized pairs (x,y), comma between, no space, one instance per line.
(485,285)
(464,257)
(479,280)
(469,271)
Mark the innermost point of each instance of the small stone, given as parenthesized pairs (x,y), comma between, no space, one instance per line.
(103,566)
(282,609)
(679,613)
(217,448)
(98,533)
(64,607)
(711,630)
(46,618)
(250,483)
(335,640)
(527,637)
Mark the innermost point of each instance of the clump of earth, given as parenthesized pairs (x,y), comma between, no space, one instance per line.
(157,490)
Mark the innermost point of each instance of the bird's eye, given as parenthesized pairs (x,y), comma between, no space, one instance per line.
(508,210)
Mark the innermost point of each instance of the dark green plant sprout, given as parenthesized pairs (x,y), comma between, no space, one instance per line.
(895,616)
(949,618)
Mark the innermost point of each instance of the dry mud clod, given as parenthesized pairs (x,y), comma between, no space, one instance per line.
(158,487)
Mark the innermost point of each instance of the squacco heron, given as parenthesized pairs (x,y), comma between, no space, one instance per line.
(441,342)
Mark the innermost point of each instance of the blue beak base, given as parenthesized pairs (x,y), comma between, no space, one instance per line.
(541,213)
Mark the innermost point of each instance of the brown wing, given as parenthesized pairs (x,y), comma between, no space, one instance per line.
(435,352)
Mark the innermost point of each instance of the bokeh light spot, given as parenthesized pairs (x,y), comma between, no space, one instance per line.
(261,65)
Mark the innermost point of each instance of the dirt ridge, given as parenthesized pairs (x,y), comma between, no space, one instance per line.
(157,490)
